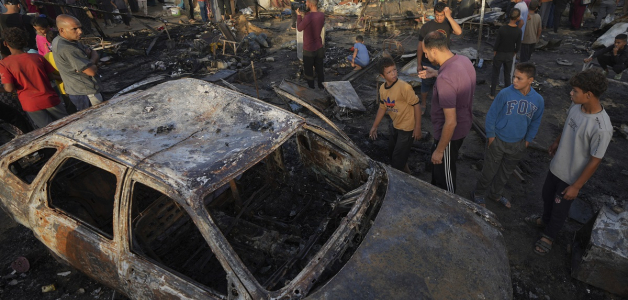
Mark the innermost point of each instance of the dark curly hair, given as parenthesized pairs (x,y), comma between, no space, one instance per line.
(384,63)
(440,6)
(43,22)
(16,38)
(51,35)
(590,80)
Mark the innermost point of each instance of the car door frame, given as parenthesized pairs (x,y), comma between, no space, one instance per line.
(69,239)
(142,277)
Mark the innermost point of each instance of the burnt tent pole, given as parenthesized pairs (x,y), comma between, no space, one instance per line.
(477,57)
(255,79)
(91,18)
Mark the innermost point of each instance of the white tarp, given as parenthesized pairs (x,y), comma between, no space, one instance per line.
(608,38)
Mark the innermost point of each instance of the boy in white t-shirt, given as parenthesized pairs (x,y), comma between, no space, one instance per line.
(578,152)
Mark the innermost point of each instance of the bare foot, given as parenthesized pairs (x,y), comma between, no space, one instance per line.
(357,68)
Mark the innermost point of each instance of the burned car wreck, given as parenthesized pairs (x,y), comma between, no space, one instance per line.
(190,190)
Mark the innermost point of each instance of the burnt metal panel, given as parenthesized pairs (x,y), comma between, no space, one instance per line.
(314,98)
(425,244)
(344,94)
(604,261)
(187,132)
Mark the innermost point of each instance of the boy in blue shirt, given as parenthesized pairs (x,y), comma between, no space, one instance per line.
(511,124)
(360,57)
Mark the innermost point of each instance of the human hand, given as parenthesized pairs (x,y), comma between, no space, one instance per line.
(447,12)
(437,157)
(416,133)
(552,149)
(419,68)
(570,193)
(615,50)
(428,73)
(588,60)
(490,141)
(373,133)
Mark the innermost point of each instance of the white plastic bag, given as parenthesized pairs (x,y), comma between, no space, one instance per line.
(609,18)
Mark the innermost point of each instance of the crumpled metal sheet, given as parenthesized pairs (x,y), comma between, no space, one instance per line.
(425,244)
(314,98)
(604,261)
(344,94)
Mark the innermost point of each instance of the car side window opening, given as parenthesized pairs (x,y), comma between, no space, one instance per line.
(85,192)
(27,167)
(163,231)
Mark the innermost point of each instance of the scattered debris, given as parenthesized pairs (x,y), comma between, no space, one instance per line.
(66,273)
(48,288)
(563,62)
(20,265)
(600,252)
(344,94)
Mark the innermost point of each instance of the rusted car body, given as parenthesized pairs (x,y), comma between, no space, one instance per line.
(192,191)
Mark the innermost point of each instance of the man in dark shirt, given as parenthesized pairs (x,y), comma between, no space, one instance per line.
(313,51)
(13,19)
(615,56)
(451,106)
(507,45)
(441,13)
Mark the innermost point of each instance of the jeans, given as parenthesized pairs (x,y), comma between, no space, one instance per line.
(545,13)
(555,208)
(358,61)
(202,6)
(558,13)
(314,60)
(43,117)
(606,8)
(526,52)
(608,61)
(499,162)
(85,101)
(501,59)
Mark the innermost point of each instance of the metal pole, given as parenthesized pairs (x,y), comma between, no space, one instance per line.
(477,58)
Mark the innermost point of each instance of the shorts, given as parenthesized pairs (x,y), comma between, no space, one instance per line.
(428,84)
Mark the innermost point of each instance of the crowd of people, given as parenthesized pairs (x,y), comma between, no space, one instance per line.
(60,68)
(512,120)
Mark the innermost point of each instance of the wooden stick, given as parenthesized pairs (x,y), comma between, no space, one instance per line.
(255,79)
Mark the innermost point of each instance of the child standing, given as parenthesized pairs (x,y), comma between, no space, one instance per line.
(360,58)
(578,152)
(507,45)
(42,25)
(28,75)
(511,124)
(532,33)
(401,103)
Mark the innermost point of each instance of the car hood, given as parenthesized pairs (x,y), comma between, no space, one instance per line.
(425,244)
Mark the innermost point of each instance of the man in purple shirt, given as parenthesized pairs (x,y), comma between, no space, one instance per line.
(311,24)
(452,103)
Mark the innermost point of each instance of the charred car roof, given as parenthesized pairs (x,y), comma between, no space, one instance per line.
(210,134)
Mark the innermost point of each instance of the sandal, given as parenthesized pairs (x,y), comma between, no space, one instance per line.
(478,200)
(534,221)
(504,201)
(544,246)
